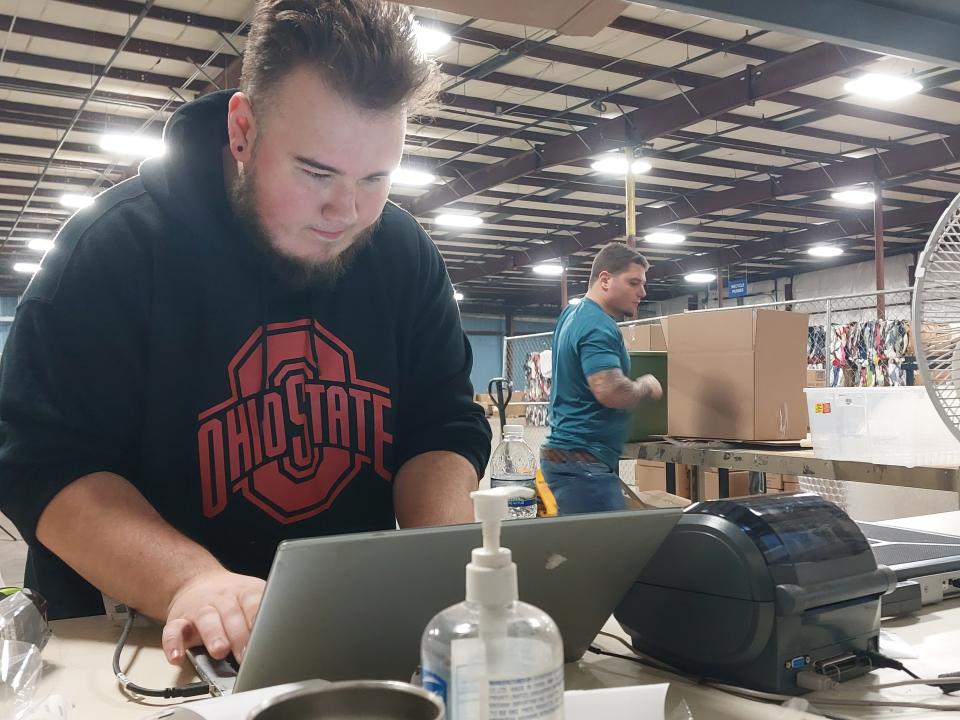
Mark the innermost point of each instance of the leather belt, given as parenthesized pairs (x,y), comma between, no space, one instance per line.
(566,456)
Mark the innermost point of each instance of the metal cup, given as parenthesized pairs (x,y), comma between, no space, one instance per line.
(352,700)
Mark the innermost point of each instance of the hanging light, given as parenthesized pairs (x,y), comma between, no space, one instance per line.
(23,267)
(825,251)
(855,196)
(878,86)
(665,238)
(700,277)
(617,165)
(548,269)
(139,146)
(414,178)
(40,244)
(457,295)
(430,40)
(455,220)
(72,200)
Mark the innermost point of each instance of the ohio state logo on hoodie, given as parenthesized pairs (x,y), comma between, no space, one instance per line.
(290,439)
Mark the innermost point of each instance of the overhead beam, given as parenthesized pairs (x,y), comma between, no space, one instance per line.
(928,34)
(771,79)
(109,41)
(907,217)
(883,166)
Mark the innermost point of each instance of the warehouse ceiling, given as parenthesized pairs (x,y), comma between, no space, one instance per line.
(747,132)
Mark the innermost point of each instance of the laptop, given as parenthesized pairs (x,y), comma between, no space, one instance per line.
(913,553)
(354,606)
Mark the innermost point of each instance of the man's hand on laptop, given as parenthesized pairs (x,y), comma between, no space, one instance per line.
(215,609)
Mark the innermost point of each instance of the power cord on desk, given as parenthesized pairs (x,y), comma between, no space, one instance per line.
(946,683)
(779,698)
(191,690)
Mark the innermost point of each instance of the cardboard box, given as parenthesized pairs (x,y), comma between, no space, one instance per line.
(737,375)
(739,484)
(651,476)
(791,487)
(570,17)
(774,482)
(643,337)
(516,410)
(816,378)
(659,499)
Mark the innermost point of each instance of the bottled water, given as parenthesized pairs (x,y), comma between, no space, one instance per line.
(513,463)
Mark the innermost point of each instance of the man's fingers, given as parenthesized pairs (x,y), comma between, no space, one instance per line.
(212,634)
(238,632)
(178,635)
(250,604)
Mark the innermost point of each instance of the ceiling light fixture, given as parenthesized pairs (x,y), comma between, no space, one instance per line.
(463,221)
(430,40)
(24,267)
(855,196)
(457,295)
(72,200)
(548,269)
(887,88)
(825,251)
(414,178)
(700,277)
(40,244)
(665,238)
(574,301)
(139,146)
(617,165)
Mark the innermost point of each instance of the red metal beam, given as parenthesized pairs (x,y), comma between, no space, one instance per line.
(93,38)
(788,241)
(895,163)
(770,79)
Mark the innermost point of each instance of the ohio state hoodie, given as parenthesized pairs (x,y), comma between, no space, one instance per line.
(154,344)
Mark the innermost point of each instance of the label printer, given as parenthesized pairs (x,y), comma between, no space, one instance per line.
(754,591)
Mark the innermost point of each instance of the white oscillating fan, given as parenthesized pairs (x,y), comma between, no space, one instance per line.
(936,316)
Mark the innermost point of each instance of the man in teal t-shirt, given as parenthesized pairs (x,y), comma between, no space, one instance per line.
(591,392)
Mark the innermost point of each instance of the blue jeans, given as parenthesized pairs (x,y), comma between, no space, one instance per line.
(583,487)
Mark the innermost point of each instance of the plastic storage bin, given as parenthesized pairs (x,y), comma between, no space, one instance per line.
(886,426)
(650,417)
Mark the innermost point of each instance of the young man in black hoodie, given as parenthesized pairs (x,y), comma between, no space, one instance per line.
(244,343)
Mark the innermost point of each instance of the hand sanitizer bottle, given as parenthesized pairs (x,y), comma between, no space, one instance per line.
(493,656)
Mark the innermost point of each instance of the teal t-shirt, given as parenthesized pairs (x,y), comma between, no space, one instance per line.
(586,341)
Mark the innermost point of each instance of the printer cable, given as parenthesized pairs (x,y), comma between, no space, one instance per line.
(184,691)
(778,698)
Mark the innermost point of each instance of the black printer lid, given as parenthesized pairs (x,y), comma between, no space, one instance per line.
(791,528)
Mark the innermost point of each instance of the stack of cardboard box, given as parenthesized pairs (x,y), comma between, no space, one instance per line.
(737,375)
(650,476)
(782,483)
(644,337)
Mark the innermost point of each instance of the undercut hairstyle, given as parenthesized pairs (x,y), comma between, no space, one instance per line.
(615,258)
(364,50)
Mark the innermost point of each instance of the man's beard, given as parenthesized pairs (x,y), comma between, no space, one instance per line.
(293,271)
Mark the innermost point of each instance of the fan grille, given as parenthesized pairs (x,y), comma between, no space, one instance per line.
(936,325)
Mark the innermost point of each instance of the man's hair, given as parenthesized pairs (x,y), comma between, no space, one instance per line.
(365,50)
(615,257)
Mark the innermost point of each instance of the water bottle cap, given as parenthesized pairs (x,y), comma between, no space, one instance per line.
(513,430)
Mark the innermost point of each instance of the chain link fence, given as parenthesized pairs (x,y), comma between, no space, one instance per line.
(855,340)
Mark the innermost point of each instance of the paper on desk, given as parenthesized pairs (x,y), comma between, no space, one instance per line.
(626,703)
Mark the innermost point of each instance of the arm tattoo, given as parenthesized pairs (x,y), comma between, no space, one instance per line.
(613,389)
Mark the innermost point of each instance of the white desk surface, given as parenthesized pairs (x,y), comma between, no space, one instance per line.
(77,666)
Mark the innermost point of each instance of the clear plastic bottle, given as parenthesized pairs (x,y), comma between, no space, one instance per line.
(513,464)
(493,656)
